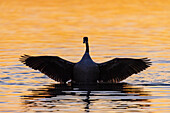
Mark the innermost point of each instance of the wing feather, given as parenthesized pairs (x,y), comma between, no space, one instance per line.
(119,69)
(54,67)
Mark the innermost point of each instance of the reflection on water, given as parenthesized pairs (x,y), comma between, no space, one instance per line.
(97,97)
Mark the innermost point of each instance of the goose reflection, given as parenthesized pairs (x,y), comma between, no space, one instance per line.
(97,97)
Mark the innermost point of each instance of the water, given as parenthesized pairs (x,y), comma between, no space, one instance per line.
(136,29)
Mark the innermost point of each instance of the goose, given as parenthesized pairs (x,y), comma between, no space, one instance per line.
(86,70)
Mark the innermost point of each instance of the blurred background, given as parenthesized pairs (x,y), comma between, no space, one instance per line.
(116,28)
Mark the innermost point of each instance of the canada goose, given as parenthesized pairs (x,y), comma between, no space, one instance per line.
(86,70)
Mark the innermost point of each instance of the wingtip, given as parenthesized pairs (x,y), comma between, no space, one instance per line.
(147,61)
(23,58)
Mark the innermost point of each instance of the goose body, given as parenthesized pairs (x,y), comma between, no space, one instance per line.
(86,70)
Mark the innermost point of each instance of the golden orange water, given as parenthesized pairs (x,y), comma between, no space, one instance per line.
(116,28)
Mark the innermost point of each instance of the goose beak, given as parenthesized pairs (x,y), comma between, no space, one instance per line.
(84,41)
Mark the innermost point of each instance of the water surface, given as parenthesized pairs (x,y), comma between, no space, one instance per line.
(119,28)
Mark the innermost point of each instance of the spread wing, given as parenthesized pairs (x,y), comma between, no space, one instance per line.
(119,69)
(54,67)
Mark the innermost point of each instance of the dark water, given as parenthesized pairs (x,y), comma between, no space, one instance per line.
(135,29)
(117,98)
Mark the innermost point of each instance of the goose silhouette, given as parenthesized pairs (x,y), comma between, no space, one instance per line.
(86,70)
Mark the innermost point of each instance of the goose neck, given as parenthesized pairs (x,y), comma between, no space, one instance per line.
(87,47)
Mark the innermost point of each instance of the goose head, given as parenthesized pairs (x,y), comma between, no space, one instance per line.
(85,41)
